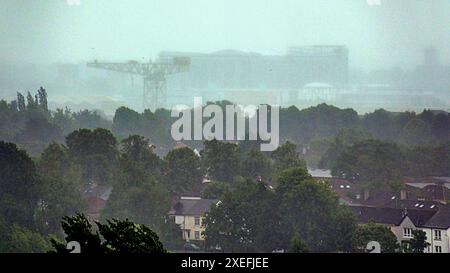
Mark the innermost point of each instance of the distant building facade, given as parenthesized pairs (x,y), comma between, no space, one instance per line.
(189,214)
(433,220)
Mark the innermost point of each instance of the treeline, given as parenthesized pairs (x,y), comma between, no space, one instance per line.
(382,165)
(29,123)
(324,121)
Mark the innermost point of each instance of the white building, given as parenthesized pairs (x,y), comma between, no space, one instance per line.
(189,214)
(434,220)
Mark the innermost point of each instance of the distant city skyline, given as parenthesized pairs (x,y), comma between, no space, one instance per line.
(391,34)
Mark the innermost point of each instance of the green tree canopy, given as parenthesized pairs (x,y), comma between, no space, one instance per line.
(375,232)
(113,237)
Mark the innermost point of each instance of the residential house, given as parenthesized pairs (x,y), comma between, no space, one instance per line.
(433,220)
(96,197)
(189,213)
(320,174)
(427,188)
(349,192)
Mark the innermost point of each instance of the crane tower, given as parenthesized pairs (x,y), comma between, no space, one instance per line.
(153,73)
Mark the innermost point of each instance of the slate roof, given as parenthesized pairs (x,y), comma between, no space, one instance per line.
(386,216)
(192,206)
(441,219)
(431,218)
(412,204)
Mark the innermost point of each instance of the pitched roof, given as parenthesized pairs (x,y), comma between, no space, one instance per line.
(192,206)
(391,216)
(412,204)
(349,192)
(441,219)
(387,216)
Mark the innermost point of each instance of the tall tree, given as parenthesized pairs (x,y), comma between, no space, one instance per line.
(220,160)
(19,181)
(60,188)
(318,219)
(375,232)
(96,151)
(245,220)
(185,174)
(374,163)
(286,156)
(256,165)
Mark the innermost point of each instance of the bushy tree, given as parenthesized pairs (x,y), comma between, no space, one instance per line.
(220,160)
(96,151)
(373,163)
(375,232)
(19,191)
(318,216)
(60,188)
(113,237)
(245,220)
(418,243)
(184,171)
(286,156)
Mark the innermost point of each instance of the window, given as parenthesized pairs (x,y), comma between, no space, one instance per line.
(438,249)
(197,235)
(407,233)
(188,233)
(437,235)
(197,221)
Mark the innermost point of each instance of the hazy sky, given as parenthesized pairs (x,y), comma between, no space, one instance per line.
(391,34)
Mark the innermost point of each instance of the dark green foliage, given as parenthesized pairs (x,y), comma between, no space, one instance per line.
(221,160)
(19,192)
(252,217)
(185,173)
(215,190)
(257,165)
(61,183)
(96,151)
(375,232)
(297,245)
(113,237)
(17,239)
(138,193)
(373,163)
(125,237)
(286,156)
(418,243)
(246,220)
(318,217)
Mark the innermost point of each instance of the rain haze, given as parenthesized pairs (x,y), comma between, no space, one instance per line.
(224,126)
(392,35)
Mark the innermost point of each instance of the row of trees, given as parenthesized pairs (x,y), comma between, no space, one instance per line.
(381,164)
(29,123)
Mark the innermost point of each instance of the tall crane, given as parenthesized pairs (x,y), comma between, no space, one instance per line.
(154,74)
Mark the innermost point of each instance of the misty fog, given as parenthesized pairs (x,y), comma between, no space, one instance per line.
(48,43)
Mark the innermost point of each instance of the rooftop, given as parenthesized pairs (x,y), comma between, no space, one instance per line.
(192,206)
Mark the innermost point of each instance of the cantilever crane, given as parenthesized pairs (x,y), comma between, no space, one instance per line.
(154,75)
